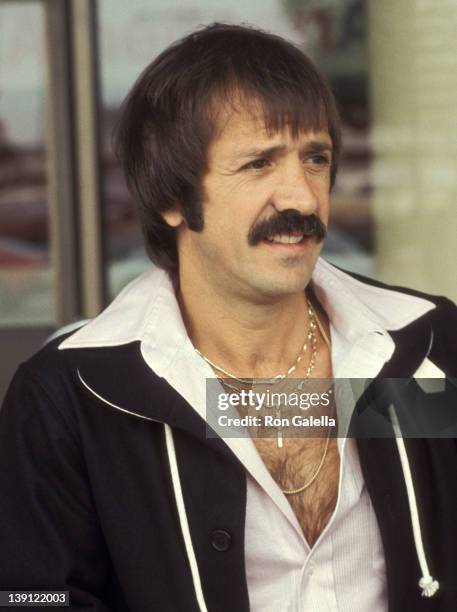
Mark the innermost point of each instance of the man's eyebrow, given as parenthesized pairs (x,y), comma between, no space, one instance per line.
(261,152)
(318,146)
(313,146)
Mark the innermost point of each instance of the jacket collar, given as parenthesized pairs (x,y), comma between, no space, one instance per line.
(147,310)
(355,307)
(142,333)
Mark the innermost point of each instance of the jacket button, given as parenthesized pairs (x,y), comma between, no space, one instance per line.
(221,540)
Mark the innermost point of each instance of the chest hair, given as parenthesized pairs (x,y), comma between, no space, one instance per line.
(293,466)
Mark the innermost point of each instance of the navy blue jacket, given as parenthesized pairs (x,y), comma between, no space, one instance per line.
(87,502)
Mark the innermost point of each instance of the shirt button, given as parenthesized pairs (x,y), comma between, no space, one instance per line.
(311,568)
(221,540)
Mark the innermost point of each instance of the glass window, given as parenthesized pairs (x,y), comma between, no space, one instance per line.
(26,280)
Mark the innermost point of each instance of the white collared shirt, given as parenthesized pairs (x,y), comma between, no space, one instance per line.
(344,571)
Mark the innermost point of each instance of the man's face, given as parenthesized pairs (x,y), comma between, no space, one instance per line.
(252,179)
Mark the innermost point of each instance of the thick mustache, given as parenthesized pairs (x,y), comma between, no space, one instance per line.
(287,222)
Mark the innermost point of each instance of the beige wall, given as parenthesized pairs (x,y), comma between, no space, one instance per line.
(413,57)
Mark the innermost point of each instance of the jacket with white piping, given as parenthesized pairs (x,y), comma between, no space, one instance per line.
(92,483)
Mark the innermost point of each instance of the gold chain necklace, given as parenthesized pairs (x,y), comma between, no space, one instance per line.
(316,473)
(327,441)
(311,335)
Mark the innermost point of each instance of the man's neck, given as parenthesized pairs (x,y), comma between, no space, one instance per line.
(247,339)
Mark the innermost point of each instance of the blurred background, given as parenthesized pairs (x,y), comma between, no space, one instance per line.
(69,238)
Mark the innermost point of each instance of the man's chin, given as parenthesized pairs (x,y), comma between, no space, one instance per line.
(288,276)
(277,286)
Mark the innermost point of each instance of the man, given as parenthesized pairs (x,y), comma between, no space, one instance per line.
(111,487)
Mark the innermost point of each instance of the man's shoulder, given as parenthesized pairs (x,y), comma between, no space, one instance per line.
(49,366)
(48,356)
(42,389)
(69,379)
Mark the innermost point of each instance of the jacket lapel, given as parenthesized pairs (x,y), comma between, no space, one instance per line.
(119,378)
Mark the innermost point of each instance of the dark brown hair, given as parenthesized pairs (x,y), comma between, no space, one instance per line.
(169,117)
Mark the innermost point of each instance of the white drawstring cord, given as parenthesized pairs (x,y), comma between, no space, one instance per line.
(427,583)
(178,496)
(183,517)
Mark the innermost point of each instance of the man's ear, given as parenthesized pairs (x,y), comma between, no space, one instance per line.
(173,217)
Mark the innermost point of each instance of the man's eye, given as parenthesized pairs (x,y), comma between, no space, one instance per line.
(257,164)
(318,160)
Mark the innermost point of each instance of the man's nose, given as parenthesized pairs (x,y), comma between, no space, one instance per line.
(295,191)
